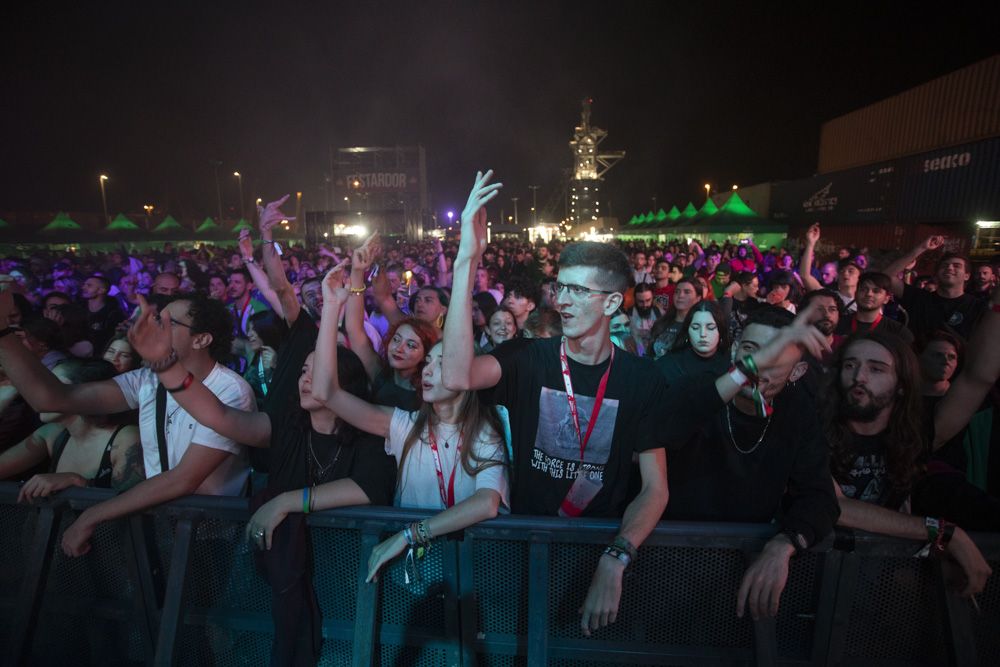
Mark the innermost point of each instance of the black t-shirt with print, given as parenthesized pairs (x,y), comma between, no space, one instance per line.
(930,311)
(545,442)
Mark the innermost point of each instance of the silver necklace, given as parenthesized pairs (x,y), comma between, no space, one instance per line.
(732,438)
(321,470)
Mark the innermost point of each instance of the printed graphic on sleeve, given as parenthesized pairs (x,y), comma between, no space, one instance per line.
(557,447)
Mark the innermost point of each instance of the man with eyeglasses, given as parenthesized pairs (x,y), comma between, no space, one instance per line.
(198,460)
(579,408)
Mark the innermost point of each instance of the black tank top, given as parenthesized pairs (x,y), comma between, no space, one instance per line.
(102,480)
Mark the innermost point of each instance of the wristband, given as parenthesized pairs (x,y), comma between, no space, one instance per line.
(305,500)
(249,260)
(620,554)
(933,528)
(737,376)
(793,537)
(622,543)
(188,380)
(358,291)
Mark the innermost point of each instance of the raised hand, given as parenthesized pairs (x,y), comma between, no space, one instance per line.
(149,335)
(813,234)
(474,215)
(801,333)
(364,255)
(933,243)
(246,243)
(334,291)
(270,215)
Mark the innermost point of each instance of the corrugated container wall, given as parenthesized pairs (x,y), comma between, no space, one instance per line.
(957,108)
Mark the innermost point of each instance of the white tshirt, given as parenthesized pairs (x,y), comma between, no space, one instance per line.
(181,429)
(418,481)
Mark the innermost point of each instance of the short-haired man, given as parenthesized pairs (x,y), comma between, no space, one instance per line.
(103,313)
(640,271)
(873,419)
(984,279)
(522,297)
(663,286)
(198,459)
(874,293)
(579,409)
(948,306)
(745,449)
(848,271)
(166,284)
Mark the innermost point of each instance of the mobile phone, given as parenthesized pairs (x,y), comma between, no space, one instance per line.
(373,274)
(744,241)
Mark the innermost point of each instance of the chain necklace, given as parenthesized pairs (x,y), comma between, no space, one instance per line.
(732,438)
(319,474)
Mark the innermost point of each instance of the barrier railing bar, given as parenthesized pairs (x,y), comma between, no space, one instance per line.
(538,598)
(765,637)
(959,637)
(367,605)
(656,654)
(829,574)
(849,566)
(468,601)
(452,611)
(173,601)
(33,583)
(146,598)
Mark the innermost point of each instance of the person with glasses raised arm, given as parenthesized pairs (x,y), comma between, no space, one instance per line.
(579,408)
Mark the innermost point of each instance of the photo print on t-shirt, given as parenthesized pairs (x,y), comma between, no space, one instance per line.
(557,447)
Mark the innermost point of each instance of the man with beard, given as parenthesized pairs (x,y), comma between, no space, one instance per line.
(949,307)
(665,283)
(643,314)
(825,317)
(874,292)
(872,419)
(242,303)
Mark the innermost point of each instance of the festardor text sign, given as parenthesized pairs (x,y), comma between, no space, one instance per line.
(379,180)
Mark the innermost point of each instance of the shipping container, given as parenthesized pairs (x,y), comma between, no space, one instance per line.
(954,184)
(957,108)
(857,195)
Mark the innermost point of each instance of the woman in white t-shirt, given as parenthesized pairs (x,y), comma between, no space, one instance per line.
(451,454)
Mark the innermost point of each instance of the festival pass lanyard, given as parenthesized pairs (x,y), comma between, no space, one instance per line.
(571,397)
(854,322)
(447,497)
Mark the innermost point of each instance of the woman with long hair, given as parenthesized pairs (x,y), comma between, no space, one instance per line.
(500,328)
(669,325)
(120,354)
(783,291)
(702,346)
(266,331)
(483,305)
(396,373)
(81,451)
(450,452)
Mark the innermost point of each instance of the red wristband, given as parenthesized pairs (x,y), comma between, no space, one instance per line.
(188,380)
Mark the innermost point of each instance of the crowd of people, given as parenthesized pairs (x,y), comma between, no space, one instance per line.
(468,378)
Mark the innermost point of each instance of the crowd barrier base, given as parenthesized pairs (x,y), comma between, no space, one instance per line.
(177,586)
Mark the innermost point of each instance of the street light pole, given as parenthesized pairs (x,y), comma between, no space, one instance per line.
(514,199)
(708,192)
(104,199)
(218,188)
(239,179)
(534,204)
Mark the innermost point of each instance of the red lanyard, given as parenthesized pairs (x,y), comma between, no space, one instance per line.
(571,397)
(448,498)
(854,323)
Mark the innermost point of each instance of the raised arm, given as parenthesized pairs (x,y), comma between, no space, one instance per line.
(385,299)
(897,267)
(354,320)
(150,338)
(270,216)
(41,389)
(460,369)
(440,278)
(257,274)
(696,248)
(358,412)
(808,257)
(980,373)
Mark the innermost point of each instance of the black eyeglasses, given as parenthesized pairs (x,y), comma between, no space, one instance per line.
(179,323)
(577,291)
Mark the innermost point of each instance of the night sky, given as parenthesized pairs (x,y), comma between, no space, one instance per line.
(151,94)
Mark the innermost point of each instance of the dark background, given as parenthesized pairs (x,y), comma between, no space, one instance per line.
(151,94)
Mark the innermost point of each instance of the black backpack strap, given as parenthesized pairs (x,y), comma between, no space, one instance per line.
(57,450)
(161,418)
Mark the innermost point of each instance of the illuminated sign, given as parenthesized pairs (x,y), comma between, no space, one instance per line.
(377,181)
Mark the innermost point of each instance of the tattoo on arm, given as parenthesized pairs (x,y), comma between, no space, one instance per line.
(131,471)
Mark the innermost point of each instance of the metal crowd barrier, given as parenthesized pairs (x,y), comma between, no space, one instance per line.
(505,593)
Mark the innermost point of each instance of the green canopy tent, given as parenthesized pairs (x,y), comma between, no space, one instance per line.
(169,223)
(121,224)
(242,224)
(707,211)
(736,219)
(207,225)
(62,222)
